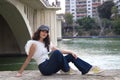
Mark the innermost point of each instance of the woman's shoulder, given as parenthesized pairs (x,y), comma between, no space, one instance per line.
(31,42)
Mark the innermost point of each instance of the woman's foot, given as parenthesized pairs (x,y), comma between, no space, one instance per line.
(94,70)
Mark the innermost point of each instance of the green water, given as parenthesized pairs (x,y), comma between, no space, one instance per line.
(14,63)
(92,46)
(103,52)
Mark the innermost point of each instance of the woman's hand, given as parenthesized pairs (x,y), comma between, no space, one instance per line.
(19,74)
(74,55)
(31,53)
(69,52)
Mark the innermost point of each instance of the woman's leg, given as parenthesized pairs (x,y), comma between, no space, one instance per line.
(56,62)
(83,66)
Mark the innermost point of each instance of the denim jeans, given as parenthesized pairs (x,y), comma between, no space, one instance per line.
(59,62)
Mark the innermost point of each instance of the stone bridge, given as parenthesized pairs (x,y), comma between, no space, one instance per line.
(18,21)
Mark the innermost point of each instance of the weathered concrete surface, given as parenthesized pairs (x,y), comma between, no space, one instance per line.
(35,75)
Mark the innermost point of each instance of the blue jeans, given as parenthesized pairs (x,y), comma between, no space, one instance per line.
(57,61)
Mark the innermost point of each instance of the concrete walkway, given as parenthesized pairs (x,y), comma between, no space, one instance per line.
(35,75)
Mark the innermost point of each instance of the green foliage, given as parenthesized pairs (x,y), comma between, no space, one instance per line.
(94,32)
(106,23)
(68,18)
(86,23)
(114,11)
(116,26)
(105,9)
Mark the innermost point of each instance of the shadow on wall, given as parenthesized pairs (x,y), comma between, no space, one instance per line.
(8,43)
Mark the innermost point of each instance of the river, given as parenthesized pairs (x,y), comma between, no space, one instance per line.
(102,52)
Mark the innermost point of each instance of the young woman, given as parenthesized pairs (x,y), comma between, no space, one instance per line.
(38,49)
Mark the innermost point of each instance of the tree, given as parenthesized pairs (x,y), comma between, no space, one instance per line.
(86,23)
(105,9)
(115,14)
(116,26)
(87,26)
(104,24)
(68,26)
(68,19)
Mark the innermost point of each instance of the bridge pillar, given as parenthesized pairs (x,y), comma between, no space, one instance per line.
(59,29)
(48,17)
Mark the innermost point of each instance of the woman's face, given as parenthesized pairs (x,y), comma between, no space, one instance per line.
(43,34)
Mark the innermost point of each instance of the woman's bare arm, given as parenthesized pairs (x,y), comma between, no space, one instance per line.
(65,52)
(31,52)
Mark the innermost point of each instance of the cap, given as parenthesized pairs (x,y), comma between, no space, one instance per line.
(43,27)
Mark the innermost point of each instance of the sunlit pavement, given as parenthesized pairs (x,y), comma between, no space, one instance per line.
(35,75)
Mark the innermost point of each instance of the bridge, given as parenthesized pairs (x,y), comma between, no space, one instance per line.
(18,21)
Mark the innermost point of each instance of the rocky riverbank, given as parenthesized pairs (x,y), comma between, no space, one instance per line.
(35,75)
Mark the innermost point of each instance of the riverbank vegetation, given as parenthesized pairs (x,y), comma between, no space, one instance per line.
(107,24)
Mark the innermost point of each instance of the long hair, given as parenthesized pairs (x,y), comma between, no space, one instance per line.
(36,36)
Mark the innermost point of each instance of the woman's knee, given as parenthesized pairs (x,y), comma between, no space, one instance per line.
(70,56)
(57,52)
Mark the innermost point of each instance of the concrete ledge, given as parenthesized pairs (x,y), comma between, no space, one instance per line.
(35,75)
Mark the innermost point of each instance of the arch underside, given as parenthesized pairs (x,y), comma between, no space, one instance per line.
(13,29)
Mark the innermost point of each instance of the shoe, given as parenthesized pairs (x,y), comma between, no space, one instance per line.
(95,70)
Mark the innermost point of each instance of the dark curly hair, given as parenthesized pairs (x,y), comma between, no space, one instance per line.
(36,36)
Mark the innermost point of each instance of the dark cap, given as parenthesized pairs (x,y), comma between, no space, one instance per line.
(43,27)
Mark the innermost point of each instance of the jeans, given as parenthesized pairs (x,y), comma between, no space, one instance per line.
(59,62)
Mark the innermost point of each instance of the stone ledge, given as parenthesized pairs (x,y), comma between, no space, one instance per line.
(35,75)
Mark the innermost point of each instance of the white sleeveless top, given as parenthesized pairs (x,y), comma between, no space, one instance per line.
(41,53)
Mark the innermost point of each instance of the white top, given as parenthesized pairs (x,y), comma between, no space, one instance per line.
(41,53)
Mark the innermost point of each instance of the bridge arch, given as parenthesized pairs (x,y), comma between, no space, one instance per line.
(19,31)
